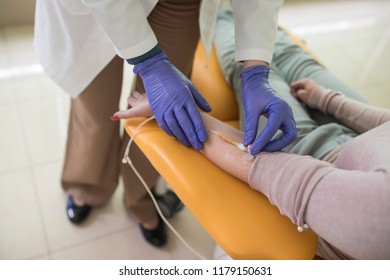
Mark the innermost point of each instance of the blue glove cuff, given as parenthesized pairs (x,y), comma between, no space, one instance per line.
(145,64)
(145,56)
(261,70)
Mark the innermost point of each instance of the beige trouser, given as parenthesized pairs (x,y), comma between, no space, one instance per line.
(94,147)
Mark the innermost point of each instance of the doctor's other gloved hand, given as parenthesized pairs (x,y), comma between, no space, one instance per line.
(173,99)
(258,99)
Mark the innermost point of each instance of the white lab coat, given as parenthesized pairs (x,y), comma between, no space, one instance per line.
(76,39)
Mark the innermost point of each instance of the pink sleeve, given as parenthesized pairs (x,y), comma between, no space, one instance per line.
(288,181)
(357,115)
(347,208)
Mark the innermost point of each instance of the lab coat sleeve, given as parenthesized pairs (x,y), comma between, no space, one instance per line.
(255,28)
(125,24)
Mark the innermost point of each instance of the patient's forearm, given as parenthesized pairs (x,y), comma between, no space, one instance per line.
(225,155)
(357,115)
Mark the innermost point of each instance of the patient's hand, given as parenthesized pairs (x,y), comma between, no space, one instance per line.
(139,107)
(308,91)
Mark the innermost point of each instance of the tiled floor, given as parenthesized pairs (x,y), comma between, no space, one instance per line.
(352,38)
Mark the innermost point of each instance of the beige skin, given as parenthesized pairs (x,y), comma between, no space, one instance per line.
(223,154)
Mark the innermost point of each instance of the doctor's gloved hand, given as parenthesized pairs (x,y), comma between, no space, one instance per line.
(173,99)
(258,99)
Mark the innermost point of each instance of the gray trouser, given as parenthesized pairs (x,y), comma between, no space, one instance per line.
(318,134)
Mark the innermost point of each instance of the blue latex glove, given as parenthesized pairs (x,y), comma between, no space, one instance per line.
(258,99)
(173,99)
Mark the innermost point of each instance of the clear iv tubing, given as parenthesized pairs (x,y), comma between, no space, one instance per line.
(126,159)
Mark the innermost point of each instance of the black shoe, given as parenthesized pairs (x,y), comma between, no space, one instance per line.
(76,214)
(169,203)
(157,237)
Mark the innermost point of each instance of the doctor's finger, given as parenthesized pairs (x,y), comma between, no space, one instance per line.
(197,122)
(266,135)
(175,128)
(188,127)
(288,136)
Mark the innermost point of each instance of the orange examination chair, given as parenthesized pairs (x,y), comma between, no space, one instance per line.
(240,220)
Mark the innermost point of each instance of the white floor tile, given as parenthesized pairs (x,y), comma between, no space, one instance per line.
(13,152)
(45,125)
(37,86)
(7,92)
(21,230)
(123,245)
(60,232)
